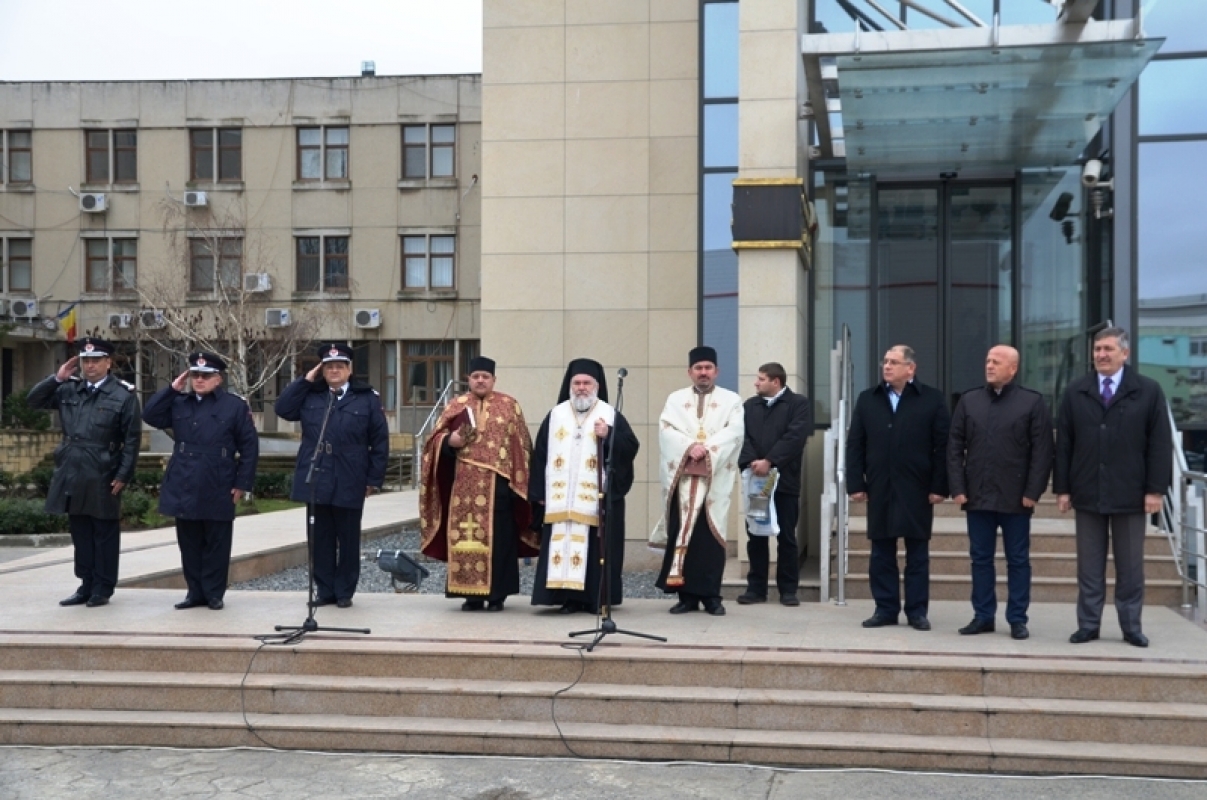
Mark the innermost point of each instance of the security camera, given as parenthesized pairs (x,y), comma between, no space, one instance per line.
(1091,173)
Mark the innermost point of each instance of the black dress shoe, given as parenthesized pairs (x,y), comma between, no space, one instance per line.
(749,598)
(682,607)
(789,600)
(97,600)
(977,626)
(188,602)
(568,608)
(1018,630)
(1135,639)
(473,605)
(879,621)
(716,609)
(919,623)
(493,605)
(324,601)
(216,605)
(1083,635)
(77,599)
(344,602)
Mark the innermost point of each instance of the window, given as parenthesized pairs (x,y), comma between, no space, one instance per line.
(428,261)
(322,154)
(427,367)
(389,375)
(111,153)
(322,263)
(17,255)
(428,151)
(204,274)
(18,157)
(112,265)
(223,162)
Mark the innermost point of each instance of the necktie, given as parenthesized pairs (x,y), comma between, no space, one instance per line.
(1107,394)
(92,388)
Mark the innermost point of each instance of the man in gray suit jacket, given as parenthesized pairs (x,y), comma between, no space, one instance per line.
(1114,463)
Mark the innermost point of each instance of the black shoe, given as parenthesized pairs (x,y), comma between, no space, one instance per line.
(77,599)
(1083,635)
(787,600)
(919,623)
(749,598)
(977,625)
(188,602)
(1018,630)
(1136,639)
(473,605)
(682,607)
(216,605)
(97,600)
(324,601)
(716,609)
(878,621)
(344,602)
(568,608)
(493,605)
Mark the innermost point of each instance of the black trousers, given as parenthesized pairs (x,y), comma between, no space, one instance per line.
(1124,533)
(886,581)
(336,551)
(205,556)
(97,547)
(787,552)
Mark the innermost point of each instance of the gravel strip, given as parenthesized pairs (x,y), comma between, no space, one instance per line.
(372,579)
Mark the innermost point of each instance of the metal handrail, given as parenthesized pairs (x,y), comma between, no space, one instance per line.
(1183,519)
(835,504)
(451,388)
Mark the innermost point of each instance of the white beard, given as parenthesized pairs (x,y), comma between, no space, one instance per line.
(583,403)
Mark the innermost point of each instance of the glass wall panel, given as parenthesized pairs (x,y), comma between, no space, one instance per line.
(1172,320)
(907,272)
(1182,22)
(720,278)
(721,135)
(1165,107)
(720,50)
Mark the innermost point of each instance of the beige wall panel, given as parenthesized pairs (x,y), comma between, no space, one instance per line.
(606,280)
(163,161)
(674,10)
(756,15)
(524,111)
(768,334)
(607,224)
(57,105)
(18,211)
(421,320)
(162,104)
(518,282)
(375,156)
(672,334)
(52,251)
(522,225)
(673,280)
(635,503)
(523,55)
(673,165)
(535,388)
(322,101)
(608,52)
(427,208)
(674,50)
(636,404)
(673,223)
(674,108)
(417,97)
(612,336)
(110,102)
(522,13)
(524,338)
(765,65)
(524,169)
(665,379)
(607,167)
(16,105)
(376,207)
(648,439)
(468,276)
(593,12)
(768,137)
(373,265)
(607,110)
(769,277)
(255,102)
(330,208)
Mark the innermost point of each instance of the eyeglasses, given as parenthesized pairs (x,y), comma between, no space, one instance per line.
(202,375)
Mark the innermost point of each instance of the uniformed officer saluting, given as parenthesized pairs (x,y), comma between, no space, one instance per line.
(351,464)
(204,481)
(93,463)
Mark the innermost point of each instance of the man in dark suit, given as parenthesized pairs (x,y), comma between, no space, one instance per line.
(896,462)
(1114,463)
(778,421)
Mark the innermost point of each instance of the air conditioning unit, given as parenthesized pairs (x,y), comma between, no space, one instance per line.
(121,320)
(23,309)
(368,317)
(151,318)
(93,203)
(277,318)
(196,199)
(257,282)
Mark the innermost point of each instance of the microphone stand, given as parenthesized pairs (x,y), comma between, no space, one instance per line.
(604,601)
(295,633)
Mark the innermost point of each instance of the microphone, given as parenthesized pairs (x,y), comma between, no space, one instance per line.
(622,373)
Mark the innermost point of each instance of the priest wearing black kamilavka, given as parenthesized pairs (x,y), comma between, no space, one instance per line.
(571,494)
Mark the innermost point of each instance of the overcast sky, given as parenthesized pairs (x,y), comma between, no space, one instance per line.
(175,39)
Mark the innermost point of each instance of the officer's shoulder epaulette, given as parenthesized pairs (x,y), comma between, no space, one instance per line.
(75,378)
(129,386)
(237,396)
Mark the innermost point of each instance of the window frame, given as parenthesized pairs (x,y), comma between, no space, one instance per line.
(112,152)
(6,262)
(323,254)
(428,257)
(213,153)
(430,148)
(218,274)
(408,361)
(324,148)
(6,167)
(115,264)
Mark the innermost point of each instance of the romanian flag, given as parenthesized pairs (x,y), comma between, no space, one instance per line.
(67,322)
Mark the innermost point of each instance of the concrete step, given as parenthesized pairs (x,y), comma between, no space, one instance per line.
(1060,541)
(1045,509)
(1043,590)
(59,727)
(1043,565)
